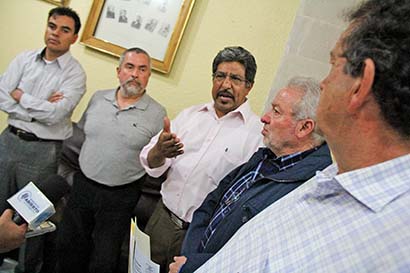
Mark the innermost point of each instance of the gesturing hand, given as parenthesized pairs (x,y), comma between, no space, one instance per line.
(167,146)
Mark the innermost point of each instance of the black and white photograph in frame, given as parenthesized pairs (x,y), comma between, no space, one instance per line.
(154,25)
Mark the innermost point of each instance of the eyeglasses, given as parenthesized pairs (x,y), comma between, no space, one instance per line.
(221,76)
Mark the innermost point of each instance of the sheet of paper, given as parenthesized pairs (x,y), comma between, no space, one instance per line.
(140,252)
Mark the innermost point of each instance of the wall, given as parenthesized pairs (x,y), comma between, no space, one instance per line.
(317,27)
(260,26)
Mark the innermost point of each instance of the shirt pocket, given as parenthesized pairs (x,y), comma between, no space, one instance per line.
(224,163)
(136,135)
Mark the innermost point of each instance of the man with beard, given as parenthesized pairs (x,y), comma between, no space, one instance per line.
(294,152)
(199,148)
(117,124)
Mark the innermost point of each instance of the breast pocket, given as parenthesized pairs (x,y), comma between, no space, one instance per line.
(224,163)
(136,135)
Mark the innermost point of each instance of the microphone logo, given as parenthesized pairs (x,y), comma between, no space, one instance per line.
(25,198)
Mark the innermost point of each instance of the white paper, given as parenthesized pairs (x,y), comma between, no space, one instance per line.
(140,252)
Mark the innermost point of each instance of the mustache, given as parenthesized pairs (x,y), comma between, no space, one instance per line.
(130,80)
(225,93)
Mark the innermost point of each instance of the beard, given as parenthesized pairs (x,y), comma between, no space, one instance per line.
(132,88)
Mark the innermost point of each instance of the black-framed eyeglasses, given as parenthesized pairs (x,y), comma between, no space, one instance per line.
(235,79)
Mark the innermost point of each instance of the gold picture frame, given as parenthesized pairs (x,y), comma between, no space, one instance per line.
(156,26)
(62,3)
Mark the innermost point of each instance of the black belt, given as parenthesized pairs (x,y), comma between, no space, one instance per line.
(27,136)
(178,221)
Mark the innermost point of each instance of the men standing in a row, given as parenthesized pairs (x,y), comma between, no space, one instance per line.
(39,91)
(294,152)
(199,148)
(117,124)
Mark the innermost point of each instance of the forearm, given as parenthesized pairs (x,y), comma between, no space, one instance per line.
(12,108)
(56,108)
(56,104)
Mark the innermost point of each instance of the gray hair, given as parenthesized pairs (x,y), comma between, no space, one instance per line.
(136,50)
(240,55)
(306,107)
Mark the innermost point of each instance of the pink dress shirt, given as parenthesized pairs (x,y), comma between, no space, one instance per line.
(212,148)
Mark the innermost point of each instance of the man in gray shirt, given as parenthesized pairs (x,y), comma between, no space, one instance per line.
(117,124)
(39,91)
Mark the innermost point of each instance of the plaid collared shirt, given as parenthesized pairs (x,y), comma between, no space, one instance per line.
(268,165)
(357,221)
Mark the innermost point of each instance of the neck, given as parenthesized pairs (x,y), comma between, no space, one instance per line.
(365,148)
(295,149)
(51,56)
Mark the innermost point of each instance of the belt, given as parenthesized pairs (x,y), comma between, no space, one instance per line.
(27,136)
(177,221)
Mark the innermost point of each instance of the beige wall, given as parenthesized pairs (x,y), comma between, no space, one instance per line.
(261,26)
(317,26)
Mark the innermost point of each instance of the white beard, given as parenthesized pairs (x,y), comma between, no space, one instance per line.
(129,90)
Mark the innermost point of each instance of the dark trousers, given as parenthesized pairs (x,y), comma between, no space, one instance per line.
(166,237)
(93,226)
(23,161)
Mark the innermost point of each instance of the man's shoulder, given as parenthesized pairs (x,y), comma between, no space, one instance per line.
(155,104)
(99,94)
(253,120)
(192,112)
(71,63)
(195,108)
(28,55)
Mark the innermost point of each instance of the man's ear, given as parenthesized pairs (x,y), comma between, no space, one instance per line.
(75,37)
(304,127)
(249,85)
(363,87)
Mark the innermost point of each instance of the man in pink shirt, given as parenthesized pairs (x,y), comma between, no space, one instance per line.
(199,148)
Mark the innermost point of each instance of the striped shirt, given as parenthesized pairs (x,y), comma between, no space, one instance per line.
(357,221)
(268,165)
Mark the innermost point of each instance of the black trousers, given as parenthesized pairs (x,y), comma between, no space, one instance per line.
(94,225)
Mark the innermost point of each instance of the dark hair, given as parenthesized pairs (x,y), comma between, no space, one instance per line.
(240,55)
(136,50)
(65,11)
(380,30)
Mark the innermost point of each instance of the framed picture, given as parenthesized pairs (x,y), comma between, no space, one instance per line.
(58,2)
(156,26)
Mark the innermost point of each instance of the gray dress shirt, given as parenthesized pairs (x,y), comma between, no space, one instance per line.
(38,79)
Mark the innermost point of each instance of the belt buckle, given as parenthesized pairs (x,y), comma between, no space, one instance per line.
(26,136)
(19,132)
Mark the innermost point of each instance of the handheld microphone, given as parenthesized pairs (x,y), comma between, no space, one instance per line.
(35,204)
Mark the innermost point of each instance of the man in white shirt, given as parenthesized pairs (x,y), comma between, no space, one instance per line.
(199,148)
(354,216)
